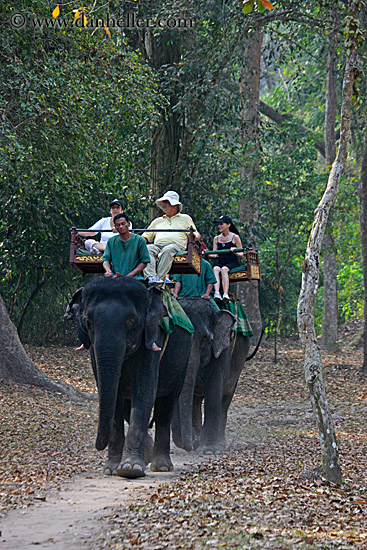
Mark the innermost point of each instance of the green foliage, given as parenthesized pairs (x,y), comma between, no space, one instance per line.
(78,110)
(71,104)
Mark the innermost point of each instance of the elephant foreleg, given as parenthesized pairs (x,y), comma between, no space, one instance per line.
(213,391)
(163,410)
(144,381)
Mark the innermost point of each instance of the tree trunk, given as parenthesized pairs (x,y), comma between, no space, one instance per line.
(363,223)
(330,316)
(277,326)
(310,272)
(162,50)
(17,367)
(248,291)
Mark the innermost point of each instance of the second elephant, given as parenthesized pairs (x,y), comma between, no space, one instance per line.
(216,360)
(207,374)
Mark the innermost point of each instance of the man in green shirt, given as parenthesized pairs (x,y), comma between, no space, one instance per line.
(127,252)
(195,285)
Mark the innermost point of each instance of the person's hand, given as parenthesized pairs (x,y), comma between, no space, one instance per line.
(108,273)
(175,295)
(233,248)
(114,230)
(205,297)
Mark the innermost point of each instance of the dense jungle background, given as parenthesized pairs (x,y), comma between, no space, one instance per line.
(88,115)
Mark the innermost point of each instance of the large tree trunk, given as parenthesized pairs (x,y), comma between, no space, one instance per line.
(162,50)
(310,273)
(330,317)
(363,223)
(16,366)
(248,292)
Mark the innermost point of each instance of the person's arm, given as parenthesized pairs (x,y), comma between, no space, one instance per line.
(107,259)
(107,268)
(142,257)
(149,235)
(238,244)
(96,226)
(176,290)
(87,233)
(138,269)
(215,247)
(197,235)
(209,288)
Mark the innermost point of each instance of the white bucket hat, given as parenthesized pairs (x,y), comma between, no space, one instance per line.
(172,197)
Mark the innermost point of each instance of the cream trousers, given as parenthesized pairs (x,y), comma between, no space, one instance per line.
(165,253)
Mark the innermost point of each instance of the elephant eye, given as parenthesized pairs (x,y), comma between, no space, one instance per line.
(131,322)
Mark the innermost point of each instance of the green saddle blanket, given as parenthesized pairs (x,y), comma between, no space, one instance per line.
(83,252)
(242,324)
(176,315)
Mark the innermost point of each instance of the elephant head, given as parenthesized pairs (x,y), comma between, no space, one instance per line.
(222,331)
(117,318)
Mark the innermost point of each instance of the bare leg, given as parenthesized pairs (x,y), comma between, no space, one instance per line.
(99,246)
(217,271)
(225,279)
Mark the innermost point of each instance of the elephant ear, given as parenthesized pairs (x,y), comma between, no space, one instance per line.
(154,317)
(222,332)
(74,312)
(74,305)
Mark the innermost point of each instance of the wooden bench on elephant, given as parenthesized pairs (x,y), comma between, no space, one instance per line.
(188,261)
(246,272)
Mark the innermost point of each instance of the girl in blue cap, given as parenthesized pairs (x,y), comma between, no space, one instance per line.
(228,239)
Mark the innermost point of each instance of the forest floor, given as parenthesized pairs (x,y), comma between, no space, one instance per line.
(265,491)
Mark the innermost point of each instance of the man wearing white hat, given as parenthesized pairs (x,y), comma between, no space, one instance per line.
(164,245)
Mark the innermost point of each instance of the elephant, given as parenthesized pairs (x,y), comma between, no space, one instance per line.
(207,375)
(118,319)
(216,360)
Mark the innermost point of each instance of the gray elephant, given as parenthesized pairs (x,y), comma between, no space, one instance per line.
(216,361)
(119,320)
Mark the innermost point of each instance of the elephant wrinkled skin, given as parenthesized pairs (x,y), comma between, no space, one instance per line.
(118,320)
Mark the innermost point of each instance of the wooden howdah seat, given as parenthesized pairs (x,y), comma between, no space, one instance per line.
(187,262)
(248,272)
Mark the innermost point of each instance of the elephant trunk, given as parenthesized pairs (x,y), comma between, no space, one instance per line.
(109,363)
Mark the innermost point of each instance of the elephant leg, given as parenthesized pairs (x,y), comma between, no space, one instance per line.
(213,392)
(176,426)
(144,381)
(163,410)
(117,438)
(182,431)
(196,420)
(149,443)
(226,401)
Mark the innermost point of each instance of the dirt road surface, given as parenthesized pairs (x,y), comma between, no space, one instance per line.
(69,517)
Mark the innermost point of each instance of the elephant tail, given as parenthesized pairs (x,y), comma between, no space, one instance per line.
(252,355)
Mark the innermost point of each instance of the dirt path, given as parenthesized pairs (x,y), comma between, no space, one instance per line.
(72,516)
(69,518)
